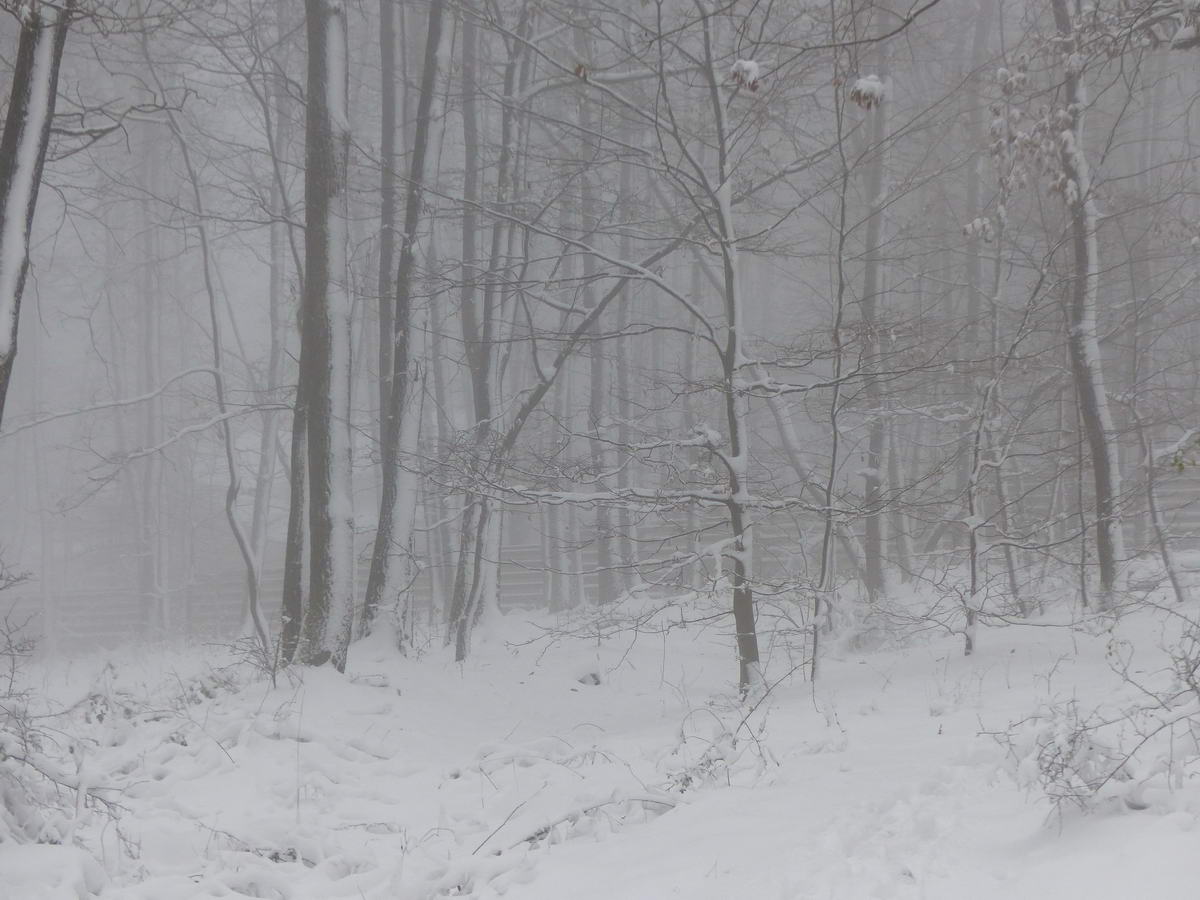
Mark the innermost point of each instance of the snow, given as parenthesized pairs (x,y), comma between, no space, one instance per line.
(14,243)
(48,872)
(1184,35)
(747,72)
(336,71)
(625,768)
(868,91)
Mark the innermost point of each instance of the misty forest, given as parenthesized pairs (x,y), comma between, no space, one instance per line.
(601,449)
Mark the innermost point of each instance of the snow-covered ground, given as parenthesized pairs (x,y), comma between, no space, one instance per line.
(518,775)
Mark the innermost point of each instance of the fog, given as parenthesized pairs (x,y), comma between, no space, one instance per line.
(811,327)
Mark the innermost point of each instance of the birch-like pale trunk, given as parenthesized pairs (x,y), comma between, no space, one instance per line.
(1082,338)
(31,102)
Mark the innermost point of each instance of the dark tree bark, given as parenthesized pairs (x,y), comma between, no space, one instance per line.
(325,341)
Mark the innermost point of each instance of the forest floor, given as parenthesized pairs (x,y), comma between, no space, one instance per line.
(617,768)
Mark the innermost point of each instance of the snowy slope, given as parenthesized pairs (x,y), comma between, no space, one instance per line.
(516,776)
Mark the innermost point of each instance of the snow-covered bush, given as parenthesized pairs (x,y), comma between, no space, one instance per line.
(27,789)
(1065,753)
(718,745)
(1136,750)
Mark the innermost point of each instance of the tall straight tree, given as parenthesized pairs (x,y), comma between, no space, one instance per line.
(296,562)
(1082,338)
(22,155)
(872,297)
(401,412)
(325,340)
(475,577)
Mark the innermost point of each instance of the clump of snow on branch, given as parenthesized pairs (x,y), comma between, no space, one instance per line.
(747,73)
(1011,81)
(1185,37)
(868,91)
(707,436)
(981,228)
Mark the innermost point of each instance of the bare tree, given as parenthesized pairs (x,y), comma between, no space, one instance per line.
(325,340)
(402,415)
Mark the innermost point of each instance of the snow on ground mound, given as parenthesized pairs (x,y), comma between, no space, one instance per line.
(620,767)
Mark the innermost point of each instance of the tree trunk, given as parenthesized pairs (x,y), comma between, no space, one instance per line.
(1082,339)
(740,555)
(397,507)
(626,530)
(325,340)
(468,603)
(873,499)
(23,146)
(151,525)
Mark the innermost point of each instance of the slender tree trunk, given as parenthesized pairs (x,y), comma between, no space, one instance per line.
(234,485)
(736,458)
(297,552)
(897,520)
(602,536)
(297,547)
(151,525)
(443,430)
(626,530)
(387,210)
(397,507)
(976,141)
(277,289)
(1082,338)
(475,588)
(823,596)
(873,498)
